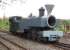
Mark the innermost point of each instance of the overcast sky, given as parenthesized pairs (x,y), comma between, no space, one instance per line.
(61,9)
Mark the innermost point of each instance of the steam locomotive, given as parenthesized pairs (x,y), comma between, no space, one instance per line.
(37,28)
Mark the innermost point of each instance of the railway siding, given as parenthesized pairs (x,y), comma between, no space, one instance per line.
(63,46)
(9,45)
(65,39)
(14,39)
(3,47)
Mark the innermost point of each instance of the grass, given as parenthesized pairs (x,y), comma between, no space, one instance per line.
(4,24)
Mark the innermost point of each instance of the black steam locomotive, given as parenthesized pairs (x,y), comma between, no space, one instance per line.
(36,27)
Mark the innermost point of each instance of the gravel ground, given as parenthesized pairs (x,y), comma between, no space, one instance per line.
(2,47)
(66,38)
(29,44)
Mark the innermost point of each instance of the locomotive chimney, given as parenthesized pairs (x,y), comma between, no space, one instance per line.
(41,12)
(49,8)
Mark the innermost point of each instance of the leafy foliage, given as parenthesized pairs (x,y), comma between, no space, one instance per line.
(62,24)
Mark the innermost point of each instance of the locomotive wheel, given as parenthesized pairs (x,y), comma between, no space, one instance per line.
(34,34)
(34,38)
(13,32)
(25,33)
(42,39)
(29,35)
(45,39)
(38,39)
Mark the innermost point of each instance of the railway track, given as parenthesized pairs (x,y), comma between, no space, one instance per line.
(3,46)
(10,45)
(58,45)
(63,46)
